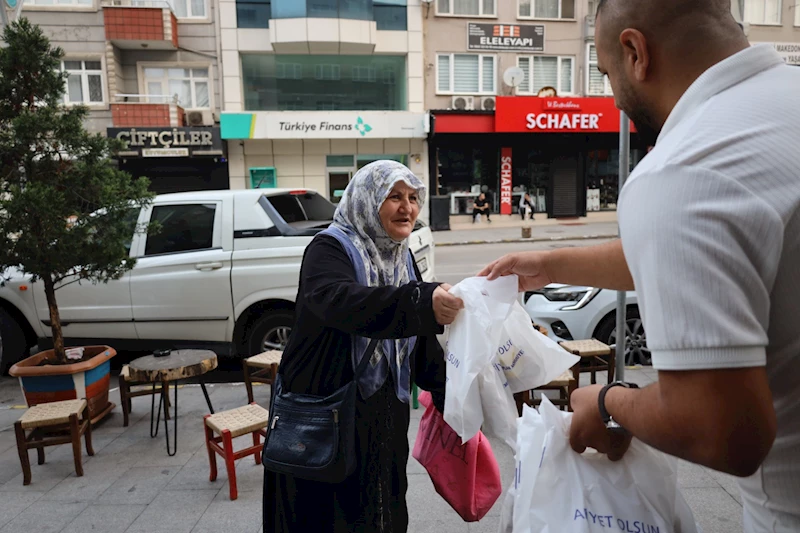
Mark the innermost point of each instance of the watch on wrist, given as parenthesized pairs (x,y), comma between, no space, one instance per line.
(608,420)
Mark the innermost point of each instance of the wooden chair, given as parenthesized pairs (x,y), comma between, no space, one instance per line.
(125,393)
(51,424)
(267,364)
(565,384)
(228,425)
(600,358)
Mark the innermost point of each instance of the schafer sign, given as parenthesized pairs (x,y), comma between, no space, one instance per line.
(556,115)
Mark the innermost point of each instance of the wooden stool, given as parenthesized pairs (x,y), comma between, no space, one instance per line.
(601,357)
(125,393)
(231,424)
(267,363)
(565,384)
(52,424)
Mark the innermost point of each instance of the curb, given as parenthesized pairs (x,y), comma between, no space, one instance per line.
(532,239)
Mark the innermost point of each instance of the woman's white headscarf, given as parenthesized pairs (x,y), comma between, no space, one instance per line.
(385,261)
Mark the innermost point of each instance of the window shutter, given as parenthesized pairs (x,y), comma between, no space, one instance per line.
(466,7)
(524,9)
(488,74)
(465,73)
(546,9)
(545,72)
(488,7)
(525,64)
(566,75)
(444,73)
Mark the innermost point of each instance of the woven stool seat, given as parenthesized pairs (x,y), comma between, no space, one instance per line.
(265,359)
(586,348)
(239,421)
(562,380)
(51,414)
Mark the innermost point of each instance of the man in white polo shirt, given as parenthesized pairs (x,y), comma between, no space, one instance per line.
(710,226)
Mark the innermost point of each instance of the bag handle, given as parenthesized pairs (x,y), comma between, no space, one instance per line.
(362,365)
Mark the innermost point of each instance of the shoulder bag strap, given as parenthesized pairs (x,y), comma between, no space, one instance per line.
(362,365)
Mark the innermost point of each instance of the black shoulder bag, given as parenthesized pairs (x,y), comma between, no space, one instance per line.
(311,437)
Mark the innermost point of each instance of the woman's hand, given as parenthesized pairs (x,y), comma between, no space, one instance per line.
(445,305)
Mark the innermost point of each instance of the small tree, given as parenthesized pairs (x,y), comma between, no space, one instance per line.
(65,209)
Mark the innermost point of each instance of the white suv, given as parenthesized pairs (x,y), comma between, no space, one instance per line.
(572,313)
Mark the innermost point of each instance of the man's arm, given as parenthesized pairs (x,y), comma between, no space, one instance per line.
(722,419)
(601,265)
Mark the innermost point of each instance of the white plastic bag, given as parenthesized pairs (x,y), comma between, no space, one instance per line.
(528,358)
(471,344)
(493,351)
(558,490)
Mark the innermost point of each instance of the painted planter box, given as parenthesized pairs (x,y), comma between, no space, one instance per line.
(51,383)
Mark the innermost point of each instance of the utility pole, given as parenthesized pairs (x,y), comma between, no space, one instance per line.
(624,170)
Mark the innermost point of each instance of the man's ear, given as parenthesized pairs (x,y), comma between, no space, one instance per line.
(635,55)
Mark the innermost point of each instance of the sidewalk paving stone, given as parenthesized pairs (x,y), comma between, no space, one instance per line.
(41,517)
(102,518)
(139,485)
(223,515)
(14,503)
(175,511)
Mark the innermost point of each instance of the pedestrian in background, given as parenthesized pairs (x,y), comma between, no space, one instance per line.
(341,304)
(710,227)
(481,207)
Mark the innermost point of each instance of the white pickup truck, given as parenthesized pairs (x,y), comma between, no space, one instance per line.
(221,273)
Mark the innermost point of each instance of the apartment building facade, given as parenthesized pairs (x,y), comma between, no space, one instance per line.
(773,22)
(148,72)
(315,90)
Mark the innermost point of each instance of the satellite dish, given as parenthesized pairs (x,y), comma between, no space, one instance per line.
(513,76)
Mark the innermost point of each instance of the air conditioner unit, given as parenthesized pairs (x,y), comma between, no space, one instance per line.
(202,117)
(463,103)
(488,103)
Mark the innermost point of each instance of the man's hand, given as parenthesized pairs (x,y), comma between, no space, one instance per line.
(445,305)
(529,266)
(587,429)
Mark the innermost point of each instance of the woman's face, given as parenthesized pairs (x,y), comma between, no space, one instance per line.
(399,211)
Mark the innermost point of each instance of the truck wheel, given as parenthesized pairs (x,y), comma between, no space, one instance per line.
(13,344)
(270,332)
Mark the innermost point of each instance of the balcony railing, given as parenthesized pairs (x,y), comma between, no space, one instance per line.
(147,110)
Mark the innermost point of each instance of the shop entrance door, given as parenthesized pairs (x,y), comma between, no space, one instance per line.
(564,173)
(337,183)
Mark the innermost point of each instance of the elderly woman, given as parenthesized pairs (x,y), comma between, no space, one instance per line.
(358,281)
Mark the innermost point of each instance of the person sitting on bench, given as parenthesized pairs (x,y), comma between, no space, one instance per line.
(481,207)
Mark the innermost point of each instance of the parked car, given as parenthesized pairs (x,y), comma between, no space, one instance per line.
(222,272)
(572,313)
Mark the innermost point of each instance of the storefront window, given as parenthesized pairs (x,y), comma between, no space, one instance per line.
(602,174)
(532,176)
(341,168)
(465,172)
(317,83)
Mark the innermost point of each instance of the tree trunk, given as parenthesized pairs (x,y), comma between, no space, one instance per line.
(55,319)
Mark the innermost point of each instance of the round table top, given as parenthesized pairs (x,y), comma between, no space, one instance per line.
(179,364)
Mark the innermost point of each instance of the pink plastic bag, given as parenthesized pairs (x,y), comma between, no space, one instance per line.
(465,475)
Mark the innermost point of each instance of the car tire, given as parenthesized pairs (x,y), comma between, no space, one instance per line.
(13,344)
(270,332)
(636,342)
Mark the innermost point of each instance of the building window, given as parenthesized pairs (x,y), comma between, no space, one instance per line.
(472,8)
(188,87)
(345,9)
(85,82)
(253,13)
(391,15)
(546,9)
(597,82)
(762,11)
(796,15)
(324,82)
(189,9)
(59,3)
(465,74)
(547,71)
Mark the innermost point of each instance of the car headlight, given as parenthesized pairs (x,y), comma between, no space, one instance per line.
(579,295)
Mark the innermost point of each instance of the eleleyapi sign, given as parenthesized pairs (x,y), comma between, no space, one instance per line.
(505,37)
(556,115)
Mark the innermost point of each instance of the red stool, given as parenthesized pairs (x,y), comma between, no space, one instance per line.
(228,425)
